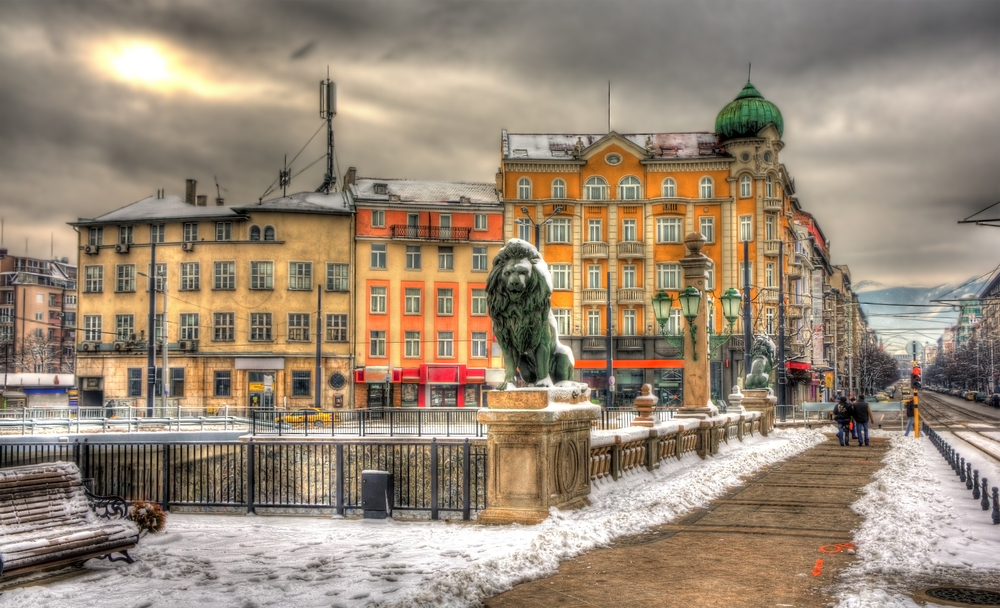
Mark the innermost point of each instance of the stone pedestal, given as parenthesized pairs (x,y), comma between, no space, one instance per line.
(761,400)
(735,405)
(538,457)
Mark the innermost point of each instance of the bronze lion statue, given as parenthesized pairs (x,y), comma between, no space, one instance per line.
(761,362)
(518,294)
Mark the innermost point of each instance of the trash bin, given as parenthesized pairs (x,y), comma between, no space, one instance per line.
(376,494)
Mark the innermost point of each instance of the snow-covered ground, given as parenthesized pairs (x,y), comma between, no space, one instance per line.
(918,522)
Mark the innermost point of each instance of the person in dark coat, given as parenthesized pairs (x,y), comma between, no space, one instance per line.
(909,417)
(862,418)
(843,413)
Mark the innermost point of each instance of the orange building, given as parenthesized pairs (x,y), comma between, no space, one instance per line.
(424,250)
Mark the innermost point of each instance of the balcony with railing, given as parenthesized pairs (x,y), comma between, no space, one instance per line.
(771,247)
(595,296)
(595,343)
(772,204)
(793,311)
(630,250)
(631,295)
(595,251)
(628,343)
(431,233)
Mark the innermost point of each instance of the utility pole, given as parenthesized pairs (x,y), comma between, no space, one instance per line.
(611,374)
(747,338)
(151,343)
(327,110)
(782,379)
(319,343)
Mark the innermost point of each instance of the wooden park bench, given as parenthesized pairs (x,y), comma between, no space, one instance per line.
(48,518)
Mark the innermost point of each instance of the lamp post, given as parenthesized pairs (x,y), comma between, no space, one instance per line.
(163,333)
(663,304)
(538,225)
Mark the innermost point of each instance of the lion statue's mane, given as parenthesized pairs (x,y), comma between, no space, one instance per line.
(761,362)
(518,294)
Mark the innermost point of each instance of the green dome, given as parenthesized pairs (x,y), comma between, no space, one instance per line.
(746,115)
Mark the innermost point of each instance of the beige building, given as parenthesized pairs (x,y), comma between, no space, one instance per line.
(245,289)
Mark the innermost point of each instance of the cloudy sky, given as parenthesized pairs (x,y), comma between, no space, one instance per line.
(891,124)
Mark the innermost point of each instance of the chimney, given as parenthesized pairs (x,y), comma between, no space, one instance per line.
(191,191)
(351,177)
(202,200)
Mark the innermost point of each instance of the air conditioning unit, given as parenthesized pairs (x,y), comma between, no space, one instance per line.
(121,248)
(120,346)
(91,249)
(188,246)
(86,346)
(185,344)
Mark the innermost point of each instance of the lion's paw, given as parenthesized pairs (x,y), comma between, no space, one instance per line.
(546,381)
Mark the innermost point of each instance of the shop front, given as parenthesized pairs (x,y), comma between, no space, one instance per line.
(429,385)
(260,376)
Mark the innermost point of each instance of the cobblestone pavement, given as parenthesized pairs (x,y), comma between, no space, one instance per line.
(757,546)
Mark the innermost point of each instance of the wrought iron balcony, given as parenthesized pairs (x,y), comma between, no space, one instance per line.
(595,251)
(431,233)
(631,295)
(630,250)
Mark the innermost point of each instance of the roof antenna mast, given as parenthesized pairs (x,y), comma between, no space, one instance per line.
(327,110)
(749,65)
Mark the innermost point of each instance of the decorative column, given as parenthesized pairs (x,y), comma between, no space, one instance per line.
(697,365)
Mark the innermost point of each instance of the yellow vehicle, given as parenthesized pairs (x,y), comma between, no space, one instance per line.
(308,415)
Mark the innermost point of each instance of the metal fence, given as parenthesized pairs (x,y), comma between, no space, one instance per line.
(622,417)
(429,475)
(118,417)
(374,422)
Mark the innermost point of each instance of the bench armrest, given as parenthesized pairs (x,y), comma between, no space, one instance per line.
(107,507)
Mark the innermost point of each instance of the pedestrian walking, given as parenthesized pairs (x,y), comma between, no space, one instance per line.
(843,414)
(909,416)
(862,418)
(854,402)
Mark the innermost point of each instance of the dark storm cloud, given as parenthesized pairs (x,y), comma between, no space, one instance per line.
(891,127)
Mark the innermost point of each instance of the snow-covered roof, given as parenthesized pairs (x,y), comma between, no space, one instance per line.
(302,202)
(553,146)
(419,191)
(154,208)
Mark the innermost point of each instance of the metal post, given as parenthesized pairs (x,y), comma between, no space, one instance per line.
(434,479)
(782,380)
(339,482)
(747,338)
(164,381)
(608,402)
(151,343)
(319,344)
(251,486)
(466,480)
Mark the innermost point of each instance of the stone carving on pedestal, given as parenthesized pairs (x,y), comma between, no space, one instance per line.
(761,362)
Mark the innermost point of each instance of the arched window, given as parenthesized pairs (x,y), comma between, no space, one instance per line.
(706,187)
(669,188)
(595,189)
(269,233)
(558,188)
(744,186)
(254,233)
(629,189)
(524,188)
(769,187)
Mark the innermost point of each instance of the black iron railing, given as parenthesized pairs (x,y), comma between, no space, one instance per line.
(430,233)
(622,417)
(372,422)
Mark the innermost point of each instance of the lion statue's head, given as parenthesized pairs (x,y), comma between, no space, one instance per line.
(518,292)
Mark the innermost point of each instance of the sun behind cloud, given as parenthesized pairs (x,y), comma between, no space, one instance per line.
(139,63)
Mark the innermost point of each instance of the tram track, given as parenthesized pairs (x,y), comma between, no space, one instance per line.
(980,430)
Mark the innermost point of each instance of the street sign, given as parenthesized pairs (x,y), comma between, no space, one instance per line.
(611,381)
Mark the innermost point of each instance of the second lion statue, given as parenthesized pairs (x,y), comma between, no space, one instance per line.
(518,294)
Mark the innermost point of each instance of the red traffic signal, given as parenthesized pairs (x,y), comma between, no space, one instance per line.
(915,378)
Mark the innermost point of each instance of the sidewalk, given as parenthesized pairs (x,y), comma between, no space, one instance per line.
(756,546)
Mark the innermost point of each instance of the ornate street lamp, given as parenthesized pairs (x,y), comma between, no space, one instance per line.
(689,300)
(731,301)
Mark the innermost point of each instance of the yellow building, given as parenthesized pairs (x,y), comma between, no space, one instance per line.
(241,287)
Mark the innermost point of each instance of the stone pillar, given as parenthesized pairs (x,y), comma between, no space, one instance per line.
(697,380)
(644,404)
(761,400)
(538,452)
(736,401)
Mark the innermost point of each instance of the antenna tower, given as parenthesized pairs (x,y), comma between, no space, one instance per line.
(327,110)
(284,178)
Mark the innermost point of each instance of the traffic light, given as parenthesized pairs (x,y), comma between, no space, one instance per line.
(915,378)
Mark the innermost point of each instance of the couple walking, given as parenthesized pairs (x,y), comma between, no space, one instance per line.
(859,414)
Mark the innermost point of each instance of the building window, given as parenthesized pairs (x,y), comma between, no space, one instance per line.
(446,344)
(628,276)
(668,276)
(479,262)
(176,381)
(223,231)
(269,233)
(411,344)
(337,277)
(630,231)
(223,383)
(478,344)
(301,383)
(411,301)
(260,327)
(674,322)
(562,316)
(377,299)
(189,326)
(124,327)
(745,189)
(261,275)
(135,382)
(158,326)
(769,275)
(628,323)
(446,258)
(93,279)
(92,328)
(157,233)
(710,281)
(300,276)
(160,272)
(413,257)
(190,276)
(560,276)
(378,218)
(125,278)
(298,327)
(746,273)
(95,236)
(558,188)
(770,227)
(524,189)
(190,231)
(225,275)
(594,323)
(593,276)
(629,189)
(595,189)
(336,328)
(478,302)
(481,223)
(444,222)
(559,231)
(769,320)
(595,230)
(668,230)
(668,189)
(769,187)
(125,235)
(71,299)
(746,228)
(706,226)
(446,302)
(224,327)
(524,230)
(376,344)
(706,187)
(254,233)
(378,255)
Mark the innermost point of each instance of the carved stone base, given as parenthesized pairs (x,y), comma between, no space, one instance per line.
(761,400)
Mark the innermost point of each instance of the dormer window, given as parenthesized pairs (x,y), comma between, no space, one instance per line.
(381,188)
